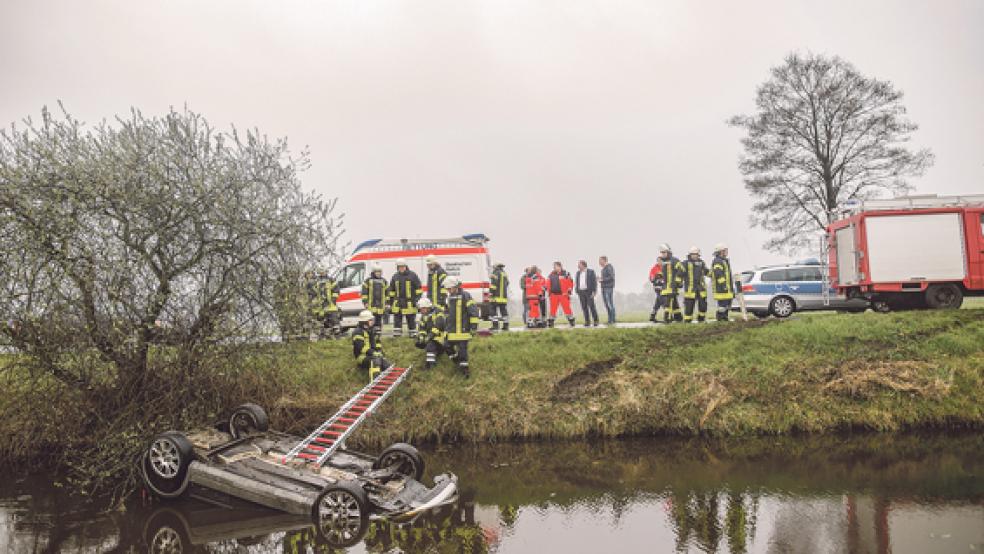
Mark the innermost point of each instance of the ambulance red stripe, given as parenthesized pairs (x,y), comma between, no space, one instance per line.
(416,253)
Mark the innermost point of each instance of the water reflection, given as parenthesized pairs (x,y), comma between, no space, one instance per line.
(831,494)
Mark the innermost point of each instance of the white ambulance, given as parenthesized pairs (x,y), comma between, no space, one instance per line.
(466,257)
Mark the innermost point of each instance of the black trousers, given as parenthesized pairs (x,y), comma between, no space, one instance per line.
(398,323)
(723,309)
(500,312)
(588,307)
(458,350)
(671,307)
(688,307)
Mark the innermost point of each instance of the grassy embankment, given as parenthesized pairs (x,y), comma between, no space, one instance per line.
(810,374)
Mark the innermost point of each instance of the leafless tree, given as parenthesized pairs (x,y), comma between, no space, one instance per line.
(822,134)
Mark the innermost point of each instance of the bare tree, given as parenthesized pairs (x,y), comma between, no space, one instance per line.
(822,134)
(148,230)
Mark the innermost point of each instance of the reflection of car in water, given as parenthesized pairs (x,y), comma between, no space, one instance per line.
(340,492)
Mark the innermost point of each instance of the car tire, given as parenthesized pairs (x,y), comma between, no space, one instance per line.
(409,460)
(164,467)
(782,307)
(341,514)
(946,296)
(247,419)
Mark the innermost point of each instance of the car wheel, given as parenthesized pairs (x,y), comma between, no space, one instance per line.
(248,419)
(341,514)
(406,458)
(782,306)
(164,468)
(944,297)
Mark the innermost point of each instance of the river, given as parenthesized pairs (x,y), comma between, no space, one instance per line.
(919,493)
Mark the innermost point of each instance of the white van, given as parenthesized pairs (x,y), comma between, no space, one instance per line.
(466,257)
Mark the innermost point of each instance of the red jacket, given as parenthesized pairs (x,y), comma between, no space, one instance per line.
(560,283)
(535,285)
(654,271)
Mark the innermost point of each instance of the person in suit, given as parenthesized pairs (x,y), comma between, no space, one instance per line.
(586,285)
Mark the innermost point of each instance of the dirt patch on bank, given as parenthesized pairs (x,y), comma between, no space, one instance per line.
(582,380)
(863,379)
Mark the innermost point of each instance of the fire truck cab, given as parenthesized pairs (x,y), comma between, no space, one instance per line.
(910,252)
(466,257)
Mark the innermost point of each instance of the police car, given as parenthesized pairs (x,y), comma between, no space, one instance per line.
(781,290)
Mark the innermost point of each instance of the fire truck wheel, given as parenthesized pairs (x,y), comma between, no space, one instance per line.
(782,306)
(165,464)
(407,459)
(341,514)
(881,306)
(246,419)
(944,297)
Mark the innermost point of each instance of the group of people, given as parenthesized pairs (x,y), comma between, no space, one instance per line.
(558,287)
(670,276)
(448,315)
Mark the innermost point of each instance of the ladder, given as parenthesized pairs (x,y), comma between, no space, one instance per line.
(326,439)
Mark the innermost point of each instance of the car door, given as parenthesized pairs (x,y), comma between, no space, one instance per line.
(975,247)
(805,285)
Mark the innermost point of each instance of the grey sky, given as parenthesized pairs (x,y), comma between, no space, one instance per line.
(562,129)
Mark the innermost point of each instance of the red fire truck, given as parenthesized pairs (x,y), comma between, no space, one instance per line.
(910,252)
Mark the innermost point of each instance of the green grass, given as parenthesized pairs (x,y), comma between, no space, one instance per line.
(922,369)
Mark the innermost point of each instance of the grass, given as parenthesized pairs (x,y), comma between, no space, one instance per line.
(825,372)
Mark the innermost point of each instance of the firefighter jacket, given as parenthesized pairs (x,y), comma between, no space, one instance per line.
(724,285)
(672,271)
(404,291)
(366,344)
(374,293)
(694,272)
(534,286)
(432,327)
(435,286)
(461,316)
(314,297)
(499,287)
(329,290)
(560,282)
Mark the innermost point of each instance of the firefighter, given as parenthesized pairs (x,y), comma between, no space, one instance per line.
(499,289)
(367,344)
(672,271)
(724,285)
(694,287)
(328,290)
(560,286)
(313,296)
(374,292)
(533,286)
(461,318)
(432,336)
(435,281)
(656,278)
(404,291)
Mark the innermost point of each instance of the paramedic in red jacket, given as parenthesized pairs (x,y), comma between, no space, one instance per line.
(533,287)
(560,286)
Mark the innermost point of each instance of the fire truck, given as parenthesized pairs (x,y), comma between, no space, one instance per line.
(909,252)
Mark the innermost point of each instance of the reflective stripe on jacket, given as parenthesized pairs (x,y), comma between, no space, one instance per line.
(404,291)
(499,287)
(366,342)
(672,271)
(694,272)
(432,327)
(374,294)
(724,285)
(435,286)
(461,316)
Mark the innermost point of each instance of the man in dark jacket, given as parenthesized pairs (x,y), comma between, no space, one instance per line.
(559,285)
(608,287)
(404,291)
(586,285)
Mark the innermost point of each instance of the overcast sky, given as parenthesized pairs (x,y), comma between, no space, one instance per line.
(562,129)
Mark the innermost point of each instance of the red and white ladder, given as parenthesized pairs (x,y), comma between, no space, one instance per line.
(326,439)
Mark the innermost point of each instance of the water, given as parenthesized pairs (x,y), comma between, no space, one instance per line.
(871,493)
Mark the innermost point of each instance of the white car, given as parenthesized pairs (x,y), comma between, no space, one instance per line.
(465,257)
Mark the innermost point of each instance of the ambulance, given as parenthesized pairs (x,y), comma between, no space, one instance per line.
(465,257)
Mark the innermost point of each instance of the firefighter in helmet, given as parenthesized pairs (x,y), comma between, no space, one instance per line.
(328,291)
(672,271)
(374,292)
(404,291)
(499,289)
(694,287)
(724,284)
(431,336)
(367,344)
(461,319)
(435,281)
